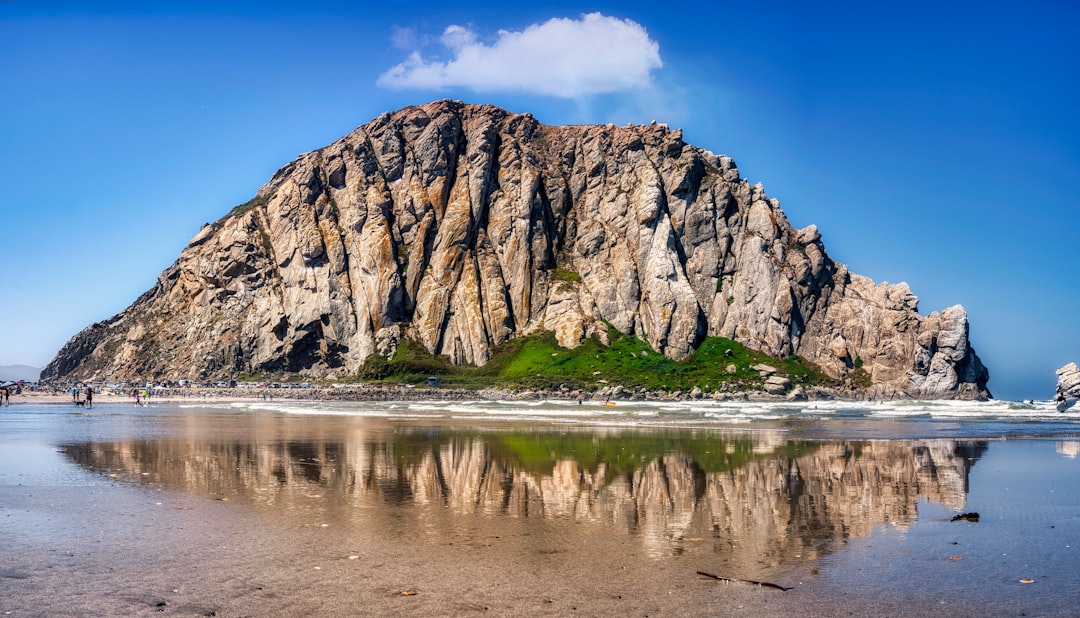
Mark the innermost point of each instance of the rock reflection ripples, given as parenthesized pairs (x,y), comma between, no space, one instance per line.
(757,499)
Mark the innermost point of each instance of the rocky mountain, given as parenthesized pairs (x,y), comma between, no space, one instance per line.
(462,226)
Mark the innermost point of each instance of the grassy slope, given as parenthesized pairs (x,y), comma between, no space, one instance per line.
(537,361)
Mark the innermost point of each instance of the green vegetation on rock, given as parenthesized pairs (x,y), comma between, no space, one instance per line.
(561,274)
(538,362)
(240,209)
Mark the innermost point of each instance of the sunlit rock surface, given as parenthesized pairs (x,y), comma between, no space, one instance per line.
(462,226)
(1068,385)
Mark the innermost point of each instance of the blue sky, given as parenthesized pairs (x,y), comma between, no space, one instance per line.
(937,145)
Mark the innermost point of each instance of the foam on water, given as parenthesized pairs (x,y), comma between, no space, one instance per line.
(695,412)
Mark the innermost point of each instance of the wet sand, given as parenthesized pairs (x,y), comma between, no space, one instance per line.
(128,555)
(173,526)
(113,550)
(103,398)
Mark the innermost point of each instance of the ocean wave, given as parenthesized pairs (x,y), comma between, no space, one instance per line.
(672,412)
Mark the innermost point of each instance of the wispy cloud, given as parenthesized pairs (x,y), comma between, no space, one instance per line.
(569,58)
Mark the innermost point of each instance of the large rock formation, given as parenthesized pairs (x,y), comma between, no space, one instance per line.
(462,226)
(1068,387)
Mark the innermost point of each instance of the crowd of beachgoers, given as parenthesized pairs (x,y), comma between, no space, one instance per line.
(76,393)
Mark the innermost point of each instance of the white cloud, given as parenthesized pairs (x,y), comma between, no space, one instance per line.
(403,38)
(457,38)
(561,57)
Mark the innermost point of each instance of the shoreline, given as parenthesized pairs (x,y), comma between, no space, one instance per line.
(385,393)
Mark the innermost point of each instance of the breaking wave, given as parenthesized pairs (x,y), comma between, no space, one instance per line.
(1034,418)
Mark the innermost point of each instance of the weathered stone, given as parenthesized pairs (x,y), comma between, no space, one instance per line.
(763,369)
(462,226)
(808,235)
(777,385)
(1068,384)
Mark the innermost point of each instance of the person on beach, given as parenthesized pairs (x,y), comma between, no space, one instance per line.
(74,394)
(89,397)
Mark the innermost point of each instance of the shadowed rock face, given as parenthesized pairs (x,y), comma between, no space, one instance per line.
(462,226)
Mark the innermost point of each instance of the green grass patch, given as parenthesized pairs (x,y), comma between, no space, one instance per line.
(561,274)
(538,362)
(254,202)
(860,378)
(410,363)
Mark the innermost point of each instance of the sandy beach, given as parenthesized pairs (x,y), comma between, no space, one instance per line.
(107,397)
(211,510)
(162,552)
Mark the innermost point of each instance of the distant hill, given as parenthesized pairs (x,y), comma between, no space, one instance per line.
(19,372)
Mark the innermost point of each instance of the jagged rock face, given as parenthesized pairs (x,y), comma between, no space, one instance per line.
(463,226)
(1068,386)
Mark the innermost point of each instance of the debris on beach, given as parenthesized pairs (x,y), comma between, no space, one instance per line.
(972,517)
(735,580)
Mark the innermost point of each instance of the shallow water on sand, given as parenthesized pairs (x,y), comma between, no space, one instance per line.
(847,508)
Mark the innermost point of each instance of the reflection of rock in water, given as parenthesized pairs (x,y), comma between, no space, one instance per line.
(1069,448)
(756,505)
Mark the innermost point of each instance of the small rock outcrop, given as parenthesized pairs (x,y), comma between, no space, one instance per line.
(463,226)
(1068,387)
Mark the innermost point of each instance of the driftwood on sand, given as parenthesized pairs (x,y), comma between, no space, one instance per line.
(734,580)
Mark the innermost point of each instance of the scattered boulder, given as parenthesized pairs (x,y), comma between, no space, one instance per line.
(764,370)
(797,394)
(777,385)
